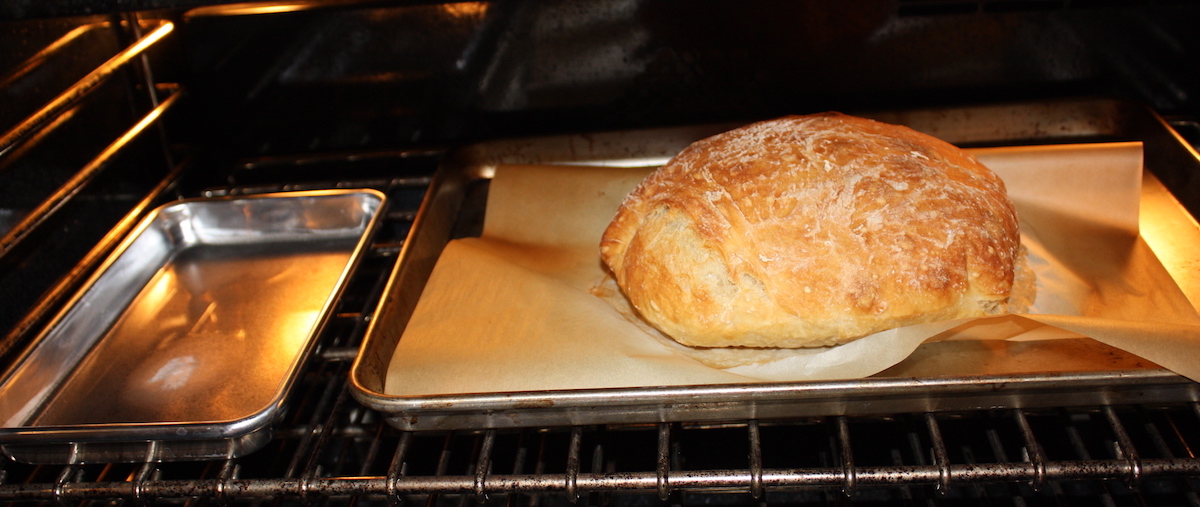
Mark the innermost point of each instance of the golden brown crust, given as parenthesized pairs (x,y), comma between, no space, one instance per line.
(811,231)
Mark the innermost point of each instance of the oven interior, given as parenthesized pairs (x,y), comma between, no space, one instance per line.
(110,109)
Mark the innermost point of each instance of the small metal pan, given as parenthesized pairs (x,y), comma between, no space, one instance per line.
(186,342)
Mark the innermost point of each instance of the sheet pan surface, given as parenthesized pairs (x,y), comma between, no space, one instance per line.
(186,342)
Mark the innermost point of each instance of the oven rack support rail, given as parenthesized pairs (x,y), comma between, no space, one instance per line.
(64,108)
(1033,469)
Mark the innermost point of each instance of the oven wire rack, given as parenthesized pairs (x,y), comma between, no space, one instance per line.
(331,450)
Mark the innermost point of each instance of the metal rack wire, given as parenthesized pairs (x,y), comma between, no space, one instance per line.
(341,453)
(331,450)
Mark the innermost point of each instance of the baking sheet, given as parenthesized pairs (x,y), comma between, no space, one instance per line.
(191,334)
(519,298)
(1065,371)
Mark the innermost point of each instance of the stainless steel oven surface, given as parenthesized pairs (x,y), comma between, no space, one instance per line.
(122,121)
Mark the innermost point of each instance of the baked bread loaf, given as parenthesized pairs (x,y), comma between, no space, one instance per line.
(810,231)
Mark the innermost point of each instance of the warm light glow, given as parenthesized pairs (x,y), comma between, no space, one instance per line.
(159,291)
(1173,235)
(457,10)
(269,9)
(247,9)
(465,9)
(10,139)
(150,39)
(41,56)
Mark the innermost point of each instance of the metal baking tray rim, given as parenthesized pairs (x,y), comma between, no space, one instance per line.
(115,432)
(790,400)
(767,391)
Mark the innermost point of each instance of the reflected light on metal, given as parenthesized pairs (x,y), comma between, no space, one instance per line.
(457,10)
(252,9)
(465,9)
(76,183)
(81,88)
(59,291)
(36,60)
(36,138)
(1172,235)
(255,8)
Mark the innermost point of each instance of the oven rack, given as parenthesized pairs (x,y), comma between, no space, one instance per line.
(493,467)
(331,450)
(97,73)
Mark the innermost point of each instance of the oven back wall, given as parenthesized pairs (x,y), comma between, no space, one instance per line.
(353,78)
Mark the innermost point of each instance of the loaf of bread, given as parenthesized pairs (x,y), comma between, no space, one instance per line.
(810,231)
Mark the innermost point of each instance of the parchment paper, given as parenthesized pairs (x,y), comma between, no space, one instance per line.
(511,310)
